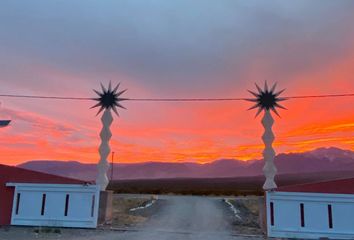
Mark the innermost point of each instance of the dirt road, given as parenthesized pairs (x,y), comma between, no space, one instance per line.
(188,217)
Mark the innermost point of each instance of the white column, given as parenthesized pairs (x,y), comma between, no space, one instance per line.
(104,150)
(269,168)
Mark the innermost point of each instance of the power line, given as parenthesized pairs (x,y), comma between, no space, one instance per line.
(171,99)
(233,99)
(323,96)
(43,97)
(184,99)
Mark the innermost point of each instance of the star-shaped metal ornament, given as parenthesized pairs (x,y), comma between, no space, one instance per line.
(109,98)
(267,99)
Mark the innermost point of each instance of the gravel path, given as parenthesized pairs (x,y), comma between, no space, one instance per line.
(188,217)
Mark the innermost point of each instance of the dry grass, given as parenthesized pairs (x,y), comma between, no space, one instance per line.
(217,186)
(252,204)
(248,208)
(234,186)
(122,216)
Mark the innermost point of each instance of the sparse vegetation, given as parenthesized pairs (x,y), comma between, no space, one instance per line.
(122,217)
(46,230)
(248,208)
(238,186)
(188,186)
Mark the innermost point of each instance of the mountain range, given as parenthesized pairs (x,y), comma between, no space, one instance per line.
(316,161)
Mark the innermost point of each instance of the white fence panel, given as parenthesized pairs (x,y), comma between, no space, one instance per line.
(55,205)
(310,215)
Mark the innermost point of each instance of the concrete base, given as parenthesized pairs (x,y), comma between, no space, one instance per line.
(262,214)
(106,207)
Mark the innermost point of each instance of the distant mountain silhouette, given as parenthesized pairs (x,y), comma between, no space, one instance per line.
(316,161)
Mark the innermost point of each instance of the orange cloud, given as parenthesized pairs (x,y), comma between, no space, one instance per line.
(179,132)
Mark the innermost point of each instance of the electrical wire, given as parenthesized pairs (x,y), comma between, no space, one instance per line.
(172,99)
(323,96)
(184,99)
(43,97)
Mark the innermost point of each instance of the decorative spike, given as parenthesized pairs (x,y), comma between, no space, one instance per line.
(253,93)
(97,92)
(255,106)
(98,104)
(259,111)
(119,105)
(280,92)
(265,86)
(109,98)
(109,86)
(115,110)
(258,88)
(103,88)
(116,88)
(121,92)
(275,111)
(99,111)
(266,98)
(280,106)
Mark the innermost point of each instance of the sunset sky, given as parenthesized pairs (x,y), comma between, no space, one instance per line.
(173,49)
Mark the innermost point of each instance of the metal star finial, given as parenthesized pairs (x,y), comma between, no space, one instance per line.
(109,99)
(266,99)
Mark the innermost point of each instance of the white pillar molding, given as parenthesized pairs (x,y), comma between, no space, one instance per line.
(269,168)
(104,150)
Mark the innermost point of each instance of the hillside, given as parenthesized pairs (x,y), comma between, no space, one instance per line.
(319,160)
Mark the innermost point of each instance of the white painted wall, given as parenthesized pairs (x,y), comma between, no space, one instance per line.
(287,217)
(82,208)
